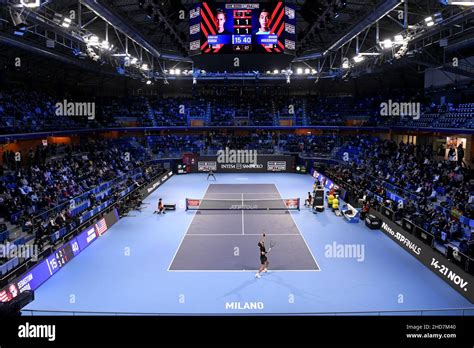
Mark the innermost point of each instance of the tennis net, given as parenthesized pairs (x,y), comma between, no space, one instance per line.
(242,204)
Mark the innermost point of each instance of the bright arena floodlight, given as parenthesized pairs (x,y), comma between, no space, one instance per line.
(387,43)
(399,39)
(429,21)
(299,71)
(461,3)
(105,45)
(359,58)
(30,3)
(66,22)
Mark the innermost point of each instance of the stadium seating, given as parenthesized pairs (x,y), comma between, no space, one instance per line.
(22,111)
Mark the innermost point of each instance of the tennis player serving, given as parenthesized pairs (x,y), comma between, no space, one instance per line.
(263,257)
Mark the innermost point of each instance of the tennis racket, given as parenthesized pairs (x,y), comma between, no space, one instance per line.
(272,245)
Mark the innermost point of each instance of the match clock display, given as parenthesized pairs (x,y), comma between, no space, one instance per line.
(265,27)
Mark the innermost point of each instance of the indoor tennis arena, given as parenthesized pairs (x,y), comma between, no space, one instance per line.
(237,159)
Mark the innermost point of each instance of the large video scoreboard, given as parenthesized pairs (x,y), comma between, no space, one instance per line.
(235,28)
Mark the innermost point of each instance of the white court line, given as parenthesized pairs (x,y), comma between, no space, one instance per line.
(241,271)
(247,234)
(238,193)
(301,234)
(184,235)
(243,228)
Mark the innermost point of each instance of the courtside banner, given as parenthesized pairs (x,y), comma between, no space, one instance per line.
(236,162)
(451,273)
(292,203)
(145,192)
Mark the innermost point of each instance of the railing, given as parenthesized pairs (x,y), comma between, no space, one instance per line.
(468,259)
(414,312)
(28,263)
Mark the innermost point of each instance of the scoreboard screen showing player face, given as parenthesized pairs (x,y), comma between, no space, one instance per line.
(235,28)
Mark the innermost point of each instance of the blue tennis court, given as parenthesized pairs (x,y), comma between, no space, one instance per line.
(149,263)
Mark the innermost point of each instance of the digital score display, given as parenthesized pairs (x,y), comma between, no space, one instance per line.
(266,27)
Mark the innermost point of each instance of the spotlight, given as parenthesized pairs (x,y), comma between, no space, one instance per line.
(307,71)
(144,67)
(172,71)
(345,64)
(105,45)
(461,3)
(359,58)
(299,71)
(148,82)
(399,39)
(275,72)
(177,71)
(386,43)
(92,40)
(429,21)
(66,22)
(30,3)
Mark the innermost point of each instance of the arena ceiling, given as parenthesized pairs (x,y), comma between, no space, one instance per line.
(318,25)
(322,26)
